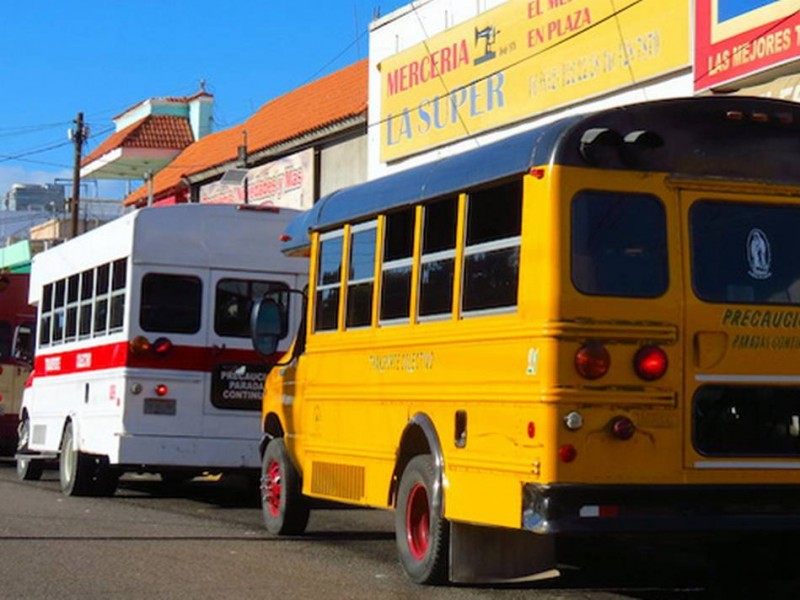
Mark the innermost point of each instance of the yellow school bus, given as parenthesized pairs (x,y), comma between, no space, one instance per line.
(588,328)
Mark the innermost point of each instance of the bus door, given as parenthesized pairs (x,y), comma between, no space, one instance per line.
(237,371)
(742,380)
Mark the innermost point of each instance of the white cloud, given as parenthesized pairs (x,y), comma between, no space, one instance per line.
(9,175)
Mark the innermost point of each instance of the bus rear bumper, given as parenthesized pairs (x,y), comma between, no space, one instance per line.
(587,509)
(175,451)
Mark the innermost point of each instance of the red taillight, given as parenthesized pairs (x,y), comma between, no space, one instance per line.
(140,345)
(162,346)
(650,363)
(162,390)
(567,453)
(1,369)
(592,361)
(531,429)
(622,428)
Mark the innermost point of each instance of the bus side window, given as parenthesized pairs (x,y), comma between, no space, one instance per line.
(329,277)
(45,315)
(398,257)
(491,253)
(5,340)
(361,275)
(86,304)
(438,258)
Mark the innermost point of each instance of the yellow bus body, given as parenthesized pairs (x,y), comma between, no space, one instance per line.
(497,388)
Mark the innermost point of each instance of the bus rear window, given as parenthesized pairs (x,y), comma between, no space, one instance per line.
(745,252)
(170,303)
(619,244)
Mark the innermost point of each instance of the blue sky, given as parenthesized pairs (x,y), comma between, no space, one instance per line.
(58,57)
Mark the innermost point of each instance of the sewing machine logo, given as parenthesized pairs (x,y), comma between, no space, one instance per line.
(489,37)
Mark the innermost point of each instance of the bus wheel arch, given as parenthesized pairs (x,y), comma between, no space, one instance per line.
(419,437)
(272,428)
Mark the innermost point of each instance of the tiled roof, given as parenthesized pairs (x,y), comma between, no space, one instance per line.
(155,131)
(323,102)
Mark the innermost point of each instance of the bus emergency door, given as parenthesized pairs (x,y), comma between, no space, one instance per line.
(237,371)
(742,275)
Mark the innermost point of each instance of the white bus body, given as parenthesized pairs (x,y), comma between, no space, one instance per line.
(144,360)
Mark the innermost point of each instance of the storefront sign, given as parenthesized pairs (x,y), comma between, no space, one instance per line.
(287,182)
(522,58)
(738,40)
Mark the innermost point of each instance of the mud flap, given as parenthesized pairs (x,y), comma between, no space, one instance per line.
(492,555)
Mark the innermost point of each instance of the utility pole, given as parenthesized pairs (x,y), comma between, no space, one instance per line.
(78,136)
(243,160)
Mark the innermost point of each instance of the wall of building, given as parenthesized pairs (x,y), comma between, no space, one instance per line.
(342,164)
(420,21)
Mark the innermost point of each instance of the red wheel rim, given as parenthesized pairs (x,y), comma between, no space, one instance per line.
(271,488)
(418,521)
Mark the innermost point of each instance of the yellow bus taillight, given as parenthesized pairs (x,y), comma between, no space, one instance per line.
(650,363)
(592,361)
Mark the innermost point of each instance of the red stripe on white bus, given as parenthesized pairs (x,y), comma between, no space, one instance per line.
(110,356)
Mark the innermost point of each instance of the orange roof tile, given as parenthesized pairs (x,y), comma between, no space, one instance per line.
(155,131)
(333,98)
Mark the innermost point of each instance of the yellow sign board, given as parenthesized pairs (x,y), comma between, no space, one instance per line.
(522,58)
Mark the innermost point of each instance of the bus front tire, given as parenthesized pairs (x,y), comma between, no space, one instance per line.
(27,469)
(421,531)
(76,469)
(284,508)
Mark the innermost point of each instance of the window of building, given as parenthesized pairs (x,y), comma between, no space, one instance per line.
(398,253)
(329,277)
(171,303)
(438,257)
(361,276)
(491,253)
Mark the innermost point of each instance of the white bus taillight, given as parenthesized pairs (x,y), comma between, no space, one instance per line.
(162,346)
(140,345)
(592,361)
(650,363)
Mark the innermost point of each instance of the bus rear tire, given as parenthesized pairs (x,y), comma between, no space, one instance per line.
(27,469)
(421,531)
(76,469)
(284,508)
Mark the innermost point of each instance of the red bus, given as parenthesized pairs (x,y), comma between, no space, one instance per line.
(17,319)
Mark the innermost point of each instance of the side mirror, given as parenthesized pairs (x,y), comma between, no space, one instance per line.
(268,324)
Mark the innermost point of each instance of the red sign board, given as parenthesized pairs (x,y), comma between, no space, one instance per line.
(741,42)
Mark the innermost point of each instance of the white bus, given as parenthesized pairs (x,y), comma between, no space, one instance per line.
(143,354)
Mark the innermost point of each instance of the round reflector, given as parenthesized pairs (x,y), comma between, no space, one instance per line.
(622,428)
(592,361)
(650,363)
(567,453)
(162,390)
